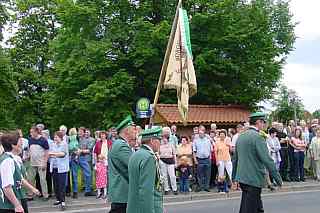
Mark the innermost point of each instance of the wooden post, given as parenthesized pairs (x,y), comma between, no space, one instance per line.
(165,61)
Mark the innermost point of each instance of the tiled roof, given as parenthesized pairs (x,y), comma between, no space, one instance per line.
(204,114)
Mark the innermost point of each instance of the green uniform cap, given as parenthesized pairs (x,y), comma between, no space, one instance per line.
(257,116)
(152,133)
(125,123)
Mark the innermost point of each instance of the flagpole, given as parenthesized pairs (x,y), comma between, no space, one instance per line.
(166,60)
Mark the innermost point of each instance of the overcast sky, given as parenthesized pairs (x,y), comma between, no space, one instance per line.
(302,72)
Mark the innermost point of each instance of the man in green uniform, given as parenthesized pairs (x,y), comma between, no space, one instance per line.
(251,161)
(145,188)
(118,160)
(11,193)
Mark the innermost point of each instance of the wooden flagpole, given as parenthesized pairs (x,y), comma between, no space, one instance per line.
(165,61)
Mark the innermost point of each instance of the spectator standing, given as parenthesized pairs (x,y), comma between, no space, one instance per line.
(299,149)
(213,127)
(172,138)
(185,174)
(100,151)
(202,149)
(25,157)
(185,150)
(292,164)
(73,147)
(223,159)
(305,132)
(64,131)
(39,148)
(167,163)
(214,167)
(274,147)
(284,143)
(195,132)
(174,133)
(46,134)
(312,134)
(83,160)
(315,153)
(59,167)
(235,137)
(113,134)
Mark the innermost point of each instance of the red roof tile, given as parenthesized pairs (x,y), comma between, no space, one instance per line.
(204,114)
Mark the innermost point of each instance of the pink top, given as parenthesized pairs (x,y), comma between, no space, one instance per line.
(300,146)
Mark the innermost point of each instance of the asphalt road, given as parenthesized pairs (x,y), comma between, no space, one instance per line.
(281,202)
(291,202)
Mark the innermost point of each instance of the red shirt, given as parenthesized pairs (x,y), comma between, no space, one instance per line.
(97,148)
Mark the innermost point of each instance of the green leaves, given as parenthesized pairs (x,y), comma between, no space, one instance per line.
(288,105)
(86,62)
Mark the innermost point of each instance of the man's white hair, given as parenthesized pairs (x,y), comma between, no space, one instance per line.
(166,129)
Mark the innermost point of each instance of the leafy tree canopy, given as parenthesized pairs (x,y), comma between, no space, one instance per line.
(86,62)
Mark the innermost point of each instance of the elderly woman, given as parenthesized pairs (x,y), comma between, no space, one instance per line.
(59,167)
(168,162)
(315,152)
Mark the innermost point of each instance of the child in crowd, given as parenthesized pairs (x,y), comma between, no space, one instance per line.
(185,173)
(101,158)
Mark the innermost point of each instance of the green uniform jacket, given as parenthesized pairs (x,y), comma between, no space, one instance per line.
(118,160)
(252,159)
(145,195)
(17,187)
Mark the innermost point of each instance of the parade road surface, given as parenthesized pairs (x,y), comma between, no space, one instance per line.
(283,202)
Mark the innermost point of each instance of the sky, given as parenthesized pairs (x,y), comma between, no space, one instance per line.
(302,71)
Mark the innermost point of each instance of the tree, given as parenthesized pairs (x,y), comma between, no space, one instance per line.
(87,85)
(288,106)
(31,58)
(95,58)
(8,92)
(316,114)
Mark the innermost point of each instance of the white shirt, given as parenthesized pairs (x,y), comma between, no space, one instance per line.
(7,169)
(234,139)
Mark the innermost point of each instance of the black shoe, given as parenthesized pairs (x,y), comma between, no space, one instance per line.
(207,190)
(89,194)
(75,195)
(175,192)
(303,180)
(271,188)
(56,203)
(166,192)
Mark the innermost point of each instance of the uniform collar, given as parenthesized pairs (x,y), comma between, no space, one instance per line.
(254,128)
(10,154)
(148,148)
